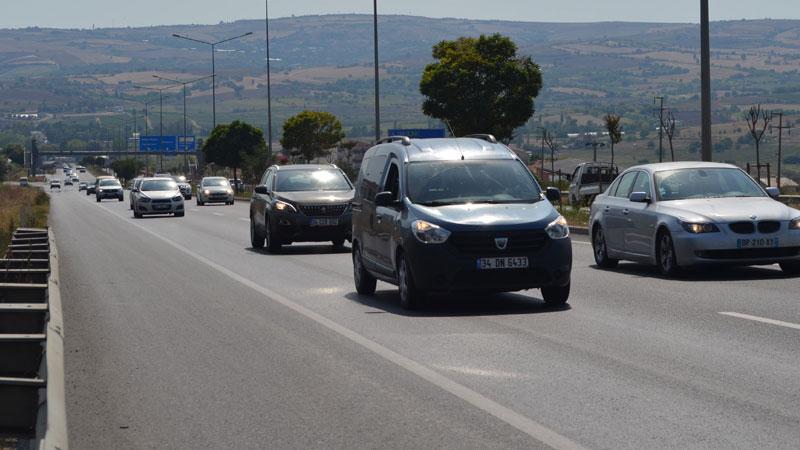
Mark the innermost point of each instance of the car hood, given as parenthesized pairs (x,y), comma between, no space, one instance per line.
(160,195)
(216,189)
(729,209)
(316,197)
(109,188)
(513,215)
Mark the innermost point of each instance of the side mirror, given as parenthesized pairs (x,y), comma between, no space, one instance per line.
(639,197)
(773,192)
(134,190)
(553,194)
(261,189)
(384,199)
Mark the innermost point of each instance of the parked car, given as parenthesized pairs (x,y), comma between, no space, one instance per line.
(237,184)
(23,182)
(157,196)
(214,190)
(55,184)
(109,188)
(676,215)
(589,180)
(134,185)
(296,203)
(184,186)
(456,215)
(82,186)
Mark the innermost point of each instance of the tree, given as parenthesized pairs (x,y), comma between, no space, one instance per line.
(753,117)
(310,133)
(614,129)
(668,125)
(126,169)
(233,145)
(16,153)
(480,86)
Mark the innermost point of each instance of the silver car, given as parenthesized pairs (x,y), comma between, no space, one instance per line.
(157,196)
(676,215)
(214,190)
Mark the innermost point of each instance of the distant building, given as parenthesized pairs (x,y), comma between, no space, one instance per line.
(25,116)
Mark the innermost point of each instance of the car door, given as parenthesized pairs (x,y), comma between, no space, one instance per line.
(387,217)
(372,184)
(615,221)
(259,201)
(638,233)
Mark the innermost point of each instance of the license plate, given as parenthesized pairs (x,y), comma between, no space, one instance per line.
(758,243)
(324,222)
(520,262)
(160,207)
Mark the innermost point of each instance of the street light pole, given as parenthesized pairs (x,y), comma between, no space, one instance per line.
(705,80)
(269,85)
(160,121)
(377,77)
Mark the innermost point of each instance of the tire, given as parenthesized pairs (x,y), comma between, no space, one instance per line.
(791,269)
(180,214)
(555,295)
(365,282)
(270,240)
(122,199)
(232,201)
(137,214)
(256,236)
(338,242)
(410,296)
(665,255)
(601,250)
(98,199)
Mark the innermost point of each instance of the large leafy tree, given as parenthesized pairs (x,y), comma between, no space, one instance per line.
(126,169)
(310,133)
(233,145)
(480,86)
(16,153)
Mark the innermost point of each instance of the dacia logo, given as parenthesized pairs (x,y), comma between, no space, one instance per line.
(501,243)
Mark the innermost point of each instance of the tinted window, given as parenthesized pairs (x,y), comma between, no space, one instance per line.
(458,182)
(311,180)
(372,177)
(625,185)
(392,183)
(642,183)
(109,183)
(705,183)
(159,185)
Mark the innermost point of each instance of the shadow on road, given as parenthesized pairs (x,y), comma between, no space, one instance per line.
(315,249)
(702,273)
(457,305)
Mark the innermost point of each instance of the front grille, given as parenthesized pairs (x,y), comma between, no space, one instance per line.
(750,253)
(161,201)
(769,226)
(743,227)
(334,210)
(483,243)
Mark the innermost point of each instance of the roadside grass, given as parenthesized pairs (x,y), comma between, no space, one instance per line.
(21,207)
(575,216)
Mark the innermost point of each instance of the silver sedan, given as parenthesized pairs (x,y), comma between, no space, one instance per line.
(676,215)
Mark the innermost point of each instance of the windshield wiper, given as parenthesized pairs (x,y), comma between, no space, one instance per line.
(437,203)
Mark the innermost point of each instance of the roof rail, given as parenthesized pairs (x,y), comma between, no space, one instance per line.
(404,139)
(486,137)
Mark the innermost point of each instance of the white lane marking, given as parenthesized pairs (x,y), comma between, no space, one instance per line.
(581,242)
(483,372)
(218,214)
(246,219)
(522,423)
(780,323)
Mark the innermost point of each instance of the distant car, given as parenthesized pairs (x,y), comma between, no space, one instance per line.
(304,202)
(676,215)
(589,180)
(184,186)
(55,184)
(67,181)
(23,182)
(109,188)
(92,188)
(82,186)
(76,180)
(214,190)
(157,196)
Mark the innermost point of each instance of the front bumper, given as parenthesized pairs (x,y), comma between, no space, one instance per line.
(216,197)
(160,208)
(109,193)
(722,248)
(296,227)
(445,268)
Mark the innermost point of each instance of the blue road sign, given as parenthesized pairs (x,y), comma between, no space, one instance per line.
(418,133)
(169,144)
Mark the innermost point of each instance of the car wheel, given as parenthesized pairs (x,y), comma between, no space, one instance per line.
(338,242)
(180,214)
(791,268)
(233,201)
(667,262)
(137,214)
(410,295)
(98,199)
(365,282)
(271,241)
(122,199)
(601,249)
(256,236)
(555,295)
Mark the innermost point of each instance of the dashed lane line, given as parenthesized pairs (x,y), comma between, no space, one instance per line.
(779,323)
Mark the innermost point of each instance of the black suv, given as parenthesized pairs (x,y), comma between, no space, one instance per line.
(301,203)
(458,214)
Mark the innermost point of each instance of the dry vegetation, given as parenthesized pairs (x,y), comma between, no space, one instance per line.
(21,207)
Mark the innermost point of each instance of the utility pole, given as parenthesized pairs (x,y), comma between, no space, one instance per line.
(780,128)
(541,157)
(377,82)
(660,128)
(705,80)
(269,88)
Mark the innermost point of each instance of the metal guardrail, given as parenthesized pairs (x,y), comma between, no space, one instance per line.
(33,406)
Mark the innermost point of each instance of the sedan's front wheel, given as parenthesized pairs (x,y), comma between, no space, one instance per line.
(791,269)
(272,241)
(667,261)
(601,249)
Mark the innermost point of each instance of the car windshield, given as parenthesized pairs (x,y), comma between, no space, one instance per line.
(311,180)
(459,182)
(685,184)
(158,185)
(108,183)
(213,182)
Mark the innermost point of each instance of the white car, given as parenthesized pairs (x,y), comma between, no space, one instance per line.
(214,190)
(157,196)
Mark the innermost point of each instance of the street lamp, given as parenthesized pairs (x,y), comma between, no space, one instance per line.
(269,84)
(213,68)
(377,78)
(184,84)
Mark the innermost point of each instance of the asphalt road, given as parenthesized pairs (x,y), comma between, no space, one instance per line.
(179,335)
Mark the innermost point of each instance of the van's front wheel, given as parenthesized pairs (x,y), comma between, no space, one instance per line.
(410,296)
(365,282)
(555,295)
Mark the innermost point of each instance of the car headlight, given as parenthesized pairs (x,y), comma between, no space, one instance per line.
(144,199)
(229,191)
(284,207)
(795,224)
(206,192)
(429,233)
(558,229)
(699,227)
(177,198)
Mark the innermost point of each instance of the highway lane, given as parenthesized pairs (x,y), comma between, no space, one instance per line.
(637,361)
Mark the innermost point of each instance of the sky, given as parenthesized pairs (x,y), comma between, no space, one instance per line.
(118,13)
